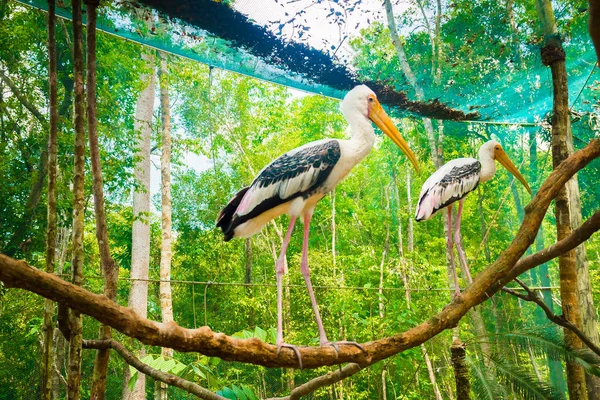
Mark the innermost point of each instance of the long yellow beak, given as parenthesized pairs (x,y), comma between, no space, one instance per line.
(381,119)
(505,161)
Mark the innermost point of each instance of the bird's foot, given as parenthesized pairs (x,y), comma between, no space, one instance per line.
(335,346)
(292,347)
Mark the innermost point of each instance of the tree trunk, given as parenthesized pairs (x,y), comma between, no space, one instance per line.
(107,263)
(75,324)
(248,256)
(166,302)
(430,371)
(594,25)
(486,247)
(140,244)
(60,344)
(410,235)
(58,379)
(541,274)
(589,317)
(383,384)
(48,328)
(386,248)
(515,32)
(461,371)
(554,56)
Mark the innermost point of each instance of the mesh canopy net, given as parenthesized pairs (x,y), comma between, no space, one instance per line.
(490,69)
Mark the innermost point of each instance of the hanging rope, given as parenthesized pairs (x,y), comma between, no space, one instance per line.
(330,287)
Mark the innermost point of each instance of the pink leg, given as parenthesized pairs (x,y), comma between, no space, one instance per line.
(306,274)
(450,249)
(459,247)
(280,269)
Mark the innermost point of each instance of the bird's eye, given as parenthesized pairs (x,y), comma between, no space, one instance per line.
(371,99)
(497,147)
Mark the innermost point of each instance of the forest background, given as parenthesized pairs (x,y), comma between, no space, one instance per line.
(377,273)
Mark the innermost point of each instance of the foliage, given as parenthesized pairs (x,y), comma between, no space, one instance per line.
(522,382)
(226,128)
(237,393)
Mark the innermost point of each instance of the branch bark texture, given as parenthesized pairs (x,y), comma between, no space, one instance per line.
(74,316)
(461,371)
(48,327)
(110,269)
(166,253)
(553,55)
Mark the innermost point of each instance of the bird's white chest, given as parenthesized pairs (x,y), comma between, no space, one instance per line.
(351,153)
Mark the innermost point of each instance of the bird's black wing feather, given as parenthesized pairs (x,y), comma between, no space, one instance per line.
(465,176)
(300,172)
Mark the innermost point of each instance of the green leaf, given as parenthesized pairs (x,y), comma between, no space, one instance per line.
(260,333)
(239,393)
(198,371)
(272,338)
(522,382)
(544,343)
(227,393)
(249,393)
(484,384)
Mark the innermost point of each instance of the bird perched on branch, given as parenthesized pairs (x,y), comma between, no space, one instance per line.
(294,182)
(452,182)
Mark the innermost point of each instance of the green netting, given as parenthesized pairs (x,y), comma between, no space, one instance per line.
(507,85)
(194,43)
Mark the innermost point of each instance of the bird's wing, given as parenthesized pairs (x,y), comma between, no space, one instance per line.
(450,183)
(296,173)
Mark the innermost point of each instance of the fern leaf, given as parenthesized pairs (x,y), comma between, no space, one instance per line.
(522,382)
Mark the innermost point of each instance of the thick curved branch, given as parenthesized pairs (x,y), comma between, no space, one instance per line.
(203,340)
(557,319)
(165,377)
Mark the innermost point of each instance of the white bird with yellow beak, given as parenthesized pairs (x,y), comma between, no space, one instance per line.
(294,182)
(453,181)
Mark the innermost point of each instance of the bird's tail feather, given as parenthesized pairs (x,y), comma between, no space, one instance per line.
(225,219)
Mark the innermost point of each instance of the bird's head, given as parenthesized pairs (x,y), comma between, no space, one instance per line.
(362,100)
(494,149)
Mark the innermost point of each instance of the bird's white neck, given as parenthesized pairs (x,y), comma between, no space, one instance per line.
(363,135)
(488,166)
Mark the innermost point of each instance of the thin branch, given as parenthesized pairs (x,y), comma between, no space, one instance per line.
(62,320)
(557,319)
(321,381)
(576,237)
(15,90)
(165,377)
(62,378)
